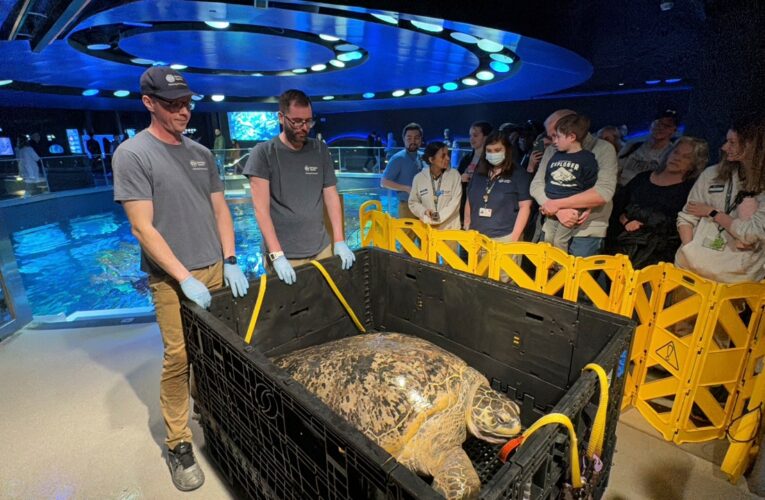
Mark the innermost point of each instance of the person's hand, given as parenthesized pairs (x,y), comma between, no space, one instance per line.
(536,157)
(740,245)
(466,177)
(196,291)
(234,278)
(584,216)
(633,225)
(550,208)
(747,207)
(284,270)
(346,255)
(698,209)
(568,217)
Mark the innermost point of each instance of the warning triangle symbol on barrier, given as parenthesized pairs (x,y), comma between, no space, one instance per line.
(668,353)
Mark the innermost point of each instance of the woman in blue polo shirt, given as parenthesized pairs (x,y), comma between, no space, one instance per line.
(498,201)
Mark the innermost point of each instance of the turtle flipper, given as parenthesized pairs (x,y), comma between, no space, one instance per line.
(455,476)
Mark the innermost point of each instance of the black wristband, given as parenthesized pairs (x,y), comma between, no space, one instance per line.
(713,214)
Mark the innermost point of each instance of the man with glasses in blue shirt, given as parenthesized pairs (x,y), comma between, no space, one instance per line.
(292,180)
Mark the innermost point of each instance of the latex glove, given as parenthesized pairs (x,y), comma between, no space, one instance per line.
(284,270)
(346,256)
(196,291)
(234,278)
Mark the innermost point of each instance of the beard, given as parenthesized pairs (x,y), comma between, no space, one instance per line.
(412,148)
(295,137)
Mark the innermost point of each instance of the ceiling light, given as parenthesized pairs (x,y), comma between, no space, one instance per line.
(178,67)
(368,95)
(386,18)
(499,67)
(5,82)
(470,81)
(432,28)
(89,92)
(218,25)
(489,45)
(337,64)
(217,97)
(621,84)
(318,67)
(672,80)
(485,75)
(329,38)
(99,46)
(346,47)
(450,86)
(299,70)
(398,93)
(349,56)
(415,92)
(433,89)
(652,82)
(257,74)
(502,58)
(140,60)
(197,97)
(121,93)
(328,97)
(464,37)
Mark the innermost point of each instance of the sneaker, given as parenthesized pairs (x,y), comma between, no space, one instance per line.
(184,469)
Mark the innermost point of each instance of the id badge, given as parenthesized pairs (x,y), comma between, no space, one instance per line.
(717,244)
(484,212)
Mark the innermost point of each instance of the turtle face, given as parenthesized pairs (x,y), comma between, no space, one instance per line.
(492,416)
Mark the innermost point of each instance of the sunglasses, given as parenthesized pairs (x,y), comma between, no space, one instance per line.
(175,106)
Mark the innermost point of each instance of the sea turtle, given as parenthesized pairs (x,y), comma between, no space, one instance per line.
(414,399)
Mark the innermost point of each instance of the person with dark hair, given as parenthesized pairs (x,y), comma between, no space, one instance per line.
(572,170)
(641,156)
(499,203)
(403,166)
(436,191)
(468,163)
(722,227)
(643,224)
(173,198)
(292,180)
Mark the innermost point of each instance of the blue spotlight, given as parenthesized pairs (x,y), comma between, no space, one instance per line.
(652,82)
(499,67)
(489,45)
(5,82)
(464,37)
(485,75)
(90,92)
(450,86)
(99,46)
(299,71)
(672,80)
(368,95)
(141,60)
(502,58)
(416,91)
(433,89)
(346,47)
(350,56)
(121,93)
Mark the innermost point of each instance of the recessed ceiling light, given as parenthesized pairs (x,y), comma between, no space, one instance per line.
(433,28)
(140,60)
(159,63)
(318,67)
(368,95)
(502,58)
(218,25)
(217,97)
(398,93)
(5,82)
(337,64)
(485,75)
(415,92)
(178,67)
(328,97)
(89,92)
(470,81)
(450,86)
(673,80)
(652,82)
(489,45)
(349,56)
(346,47)
(99,46)
(329,38)
(464,37)
(433,89)
(499,67)
(299,70)
(197,97)
(621,84)
(121,93)
(386,18)
(257,74)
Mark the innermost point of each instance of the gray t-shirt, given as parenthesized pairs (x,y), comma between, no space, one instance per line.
(179,180)
(643,159)
(297,179)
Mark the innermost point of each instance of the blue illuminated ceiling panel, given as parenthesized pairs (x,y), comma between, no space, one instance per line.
(346,58)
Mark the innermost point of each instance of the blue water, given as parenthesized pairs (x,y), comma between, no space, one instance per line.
(93,263)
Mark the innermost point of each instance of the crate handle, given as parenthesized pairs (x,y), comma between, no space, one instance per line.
(552,418)
(256,310)
(595,446)
(339,295)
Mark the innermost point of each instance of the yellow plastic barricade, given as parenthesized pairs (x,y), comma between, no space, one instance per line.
(444,248)
(373,224)
(555,271)
(510,256)
(592,274)
(481,260)
(411,235)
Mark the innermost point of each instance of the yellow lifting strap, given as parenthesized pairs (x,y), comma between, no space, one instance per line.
(256,311)
(339,295)
(595,447)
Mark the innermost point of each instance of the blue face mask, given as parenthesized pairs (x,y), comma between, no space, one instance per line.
(495,158)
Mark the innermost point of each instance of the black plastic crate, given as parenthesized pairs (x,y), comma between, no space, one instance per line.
(277,440)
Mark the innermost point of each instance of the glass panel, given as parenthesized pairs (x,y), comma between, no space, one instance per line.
(6,312)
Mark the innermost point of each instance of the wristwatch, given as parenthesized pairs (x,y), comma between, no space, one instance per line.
(230,260)
(274,255)
(713,213)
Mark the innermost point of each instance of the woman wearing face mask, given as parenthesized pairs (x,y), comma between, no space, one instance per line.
(498,201)
(436,190)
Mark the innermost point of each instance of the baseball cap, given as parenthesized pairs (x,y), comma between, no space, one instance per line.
(165,83)
(669,113)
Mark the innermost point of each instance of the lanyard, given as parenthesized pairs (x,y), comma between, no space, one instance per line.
(490,181)
(436,191)
(728,206)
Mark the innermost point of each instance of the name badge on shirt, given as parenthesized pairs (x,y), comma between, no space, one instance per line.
(484,212)
(717,244)
(716,188)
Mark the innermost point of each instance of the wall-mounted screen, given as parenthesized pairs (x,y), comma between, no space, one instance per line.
(6,147)
(253,125)
(73,139)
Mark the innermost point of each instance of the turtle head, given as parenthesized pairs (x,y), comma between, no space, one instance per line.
(492,416)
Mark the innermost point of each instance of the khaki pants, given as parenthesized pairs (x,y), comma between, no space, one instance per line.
(174,384)
(326,253)
(404,212)
(503,277)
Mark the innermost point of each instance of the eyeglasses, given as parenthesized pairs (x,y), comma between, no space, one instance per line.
(175,106)
(299,123)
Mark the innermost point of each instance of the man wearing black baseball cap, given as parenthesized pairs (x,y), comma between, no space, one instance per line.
(642,156)
(173,197)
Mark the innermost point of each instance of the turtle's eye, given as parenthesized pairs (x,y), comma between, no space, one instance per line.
(504,417)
